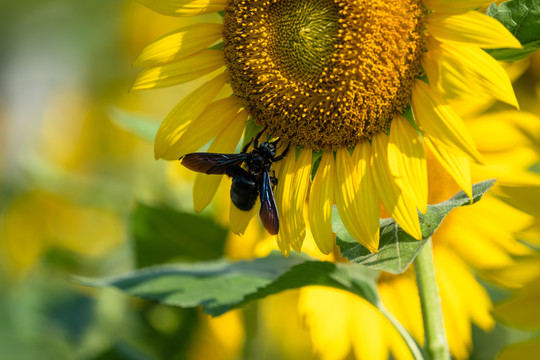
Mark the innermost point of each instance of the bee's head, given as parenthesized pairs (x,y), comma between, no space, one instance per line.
(268,149)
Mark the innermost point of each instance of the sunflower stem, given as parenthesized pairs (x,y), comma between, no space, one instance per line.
(436,344)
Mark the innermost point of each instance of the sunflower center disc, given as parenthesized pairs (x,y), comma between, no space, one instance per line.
(323,73)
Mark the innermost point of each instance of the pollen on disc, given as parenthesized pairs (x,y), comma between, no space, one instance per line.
(324,74)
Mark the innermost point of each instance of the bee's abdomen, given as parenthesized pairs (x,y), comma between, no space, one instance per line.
(244,193)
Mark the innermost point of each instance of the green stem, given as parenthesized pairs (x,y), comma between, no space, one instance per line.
(411,344)
(436,345)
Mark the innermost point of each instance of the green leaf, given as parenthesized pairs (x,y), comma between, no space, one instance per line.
(162,234)
(522,19)
(222,285)
(142,126)
(397,249)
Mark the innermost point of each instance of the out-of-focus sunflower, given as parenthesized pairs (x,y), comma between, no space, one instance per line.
(331,76)
(39,221)
(521,311)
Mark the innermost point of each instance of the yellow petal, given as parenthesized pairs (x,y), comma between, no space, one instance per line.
(438,120)
(320,204)
(516,276)
(185,7)
(458,278)
(400,296)
(348,198)
(205,186)
(368,200)
(179,72)
(179,44)
(456,319)
(240,219)
(472,28)
(283,202)
(470,107)
(365,321)
(217,342)
(503,131)
(453,6)
(472,246)
(178,120)
(456,165)
(407,161)
(463,71)
(300,188)
(397,345)
(213,120)
(396,202)
(326,314)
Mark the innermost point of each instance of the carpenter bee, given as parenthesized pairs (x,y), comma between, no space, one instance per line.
(248,182)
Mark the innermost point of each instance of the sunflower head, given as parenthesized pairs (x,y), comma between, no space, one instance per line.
(323,74)
(332,75)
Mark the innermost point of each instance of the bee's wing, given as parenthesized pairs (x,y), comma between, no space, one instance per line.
(268,213)
(212,163)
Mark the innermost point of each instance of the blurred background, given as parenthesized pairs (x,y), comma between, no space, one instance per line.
(82,195)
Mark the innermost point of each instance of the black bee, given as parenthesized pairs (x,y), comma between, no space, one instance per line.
(248,182)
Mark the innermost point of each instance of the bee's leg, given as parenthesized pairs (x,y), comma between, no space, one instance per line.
(283,154)
(245,148)
(256,142)
(273,178)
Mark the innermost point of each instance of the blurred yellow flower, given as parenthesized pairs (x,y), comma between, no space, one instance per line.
(331,76)
(219,338)
(39,221)
(521,310)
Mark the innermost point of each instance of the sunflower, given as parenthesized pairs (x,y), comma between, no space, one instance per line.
(476,240)
(356,88)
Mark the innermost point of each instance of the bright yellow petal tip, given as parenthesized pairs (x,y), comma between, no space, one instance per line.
(407,161)
(466,71)
(320,204)
(302,179)
(239,219)
(179,44)
(473,28)
(369,202)
(185,7)
(179,72)
(455,164)
(438,120)
(348,198)
(397,202)
(283,202)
